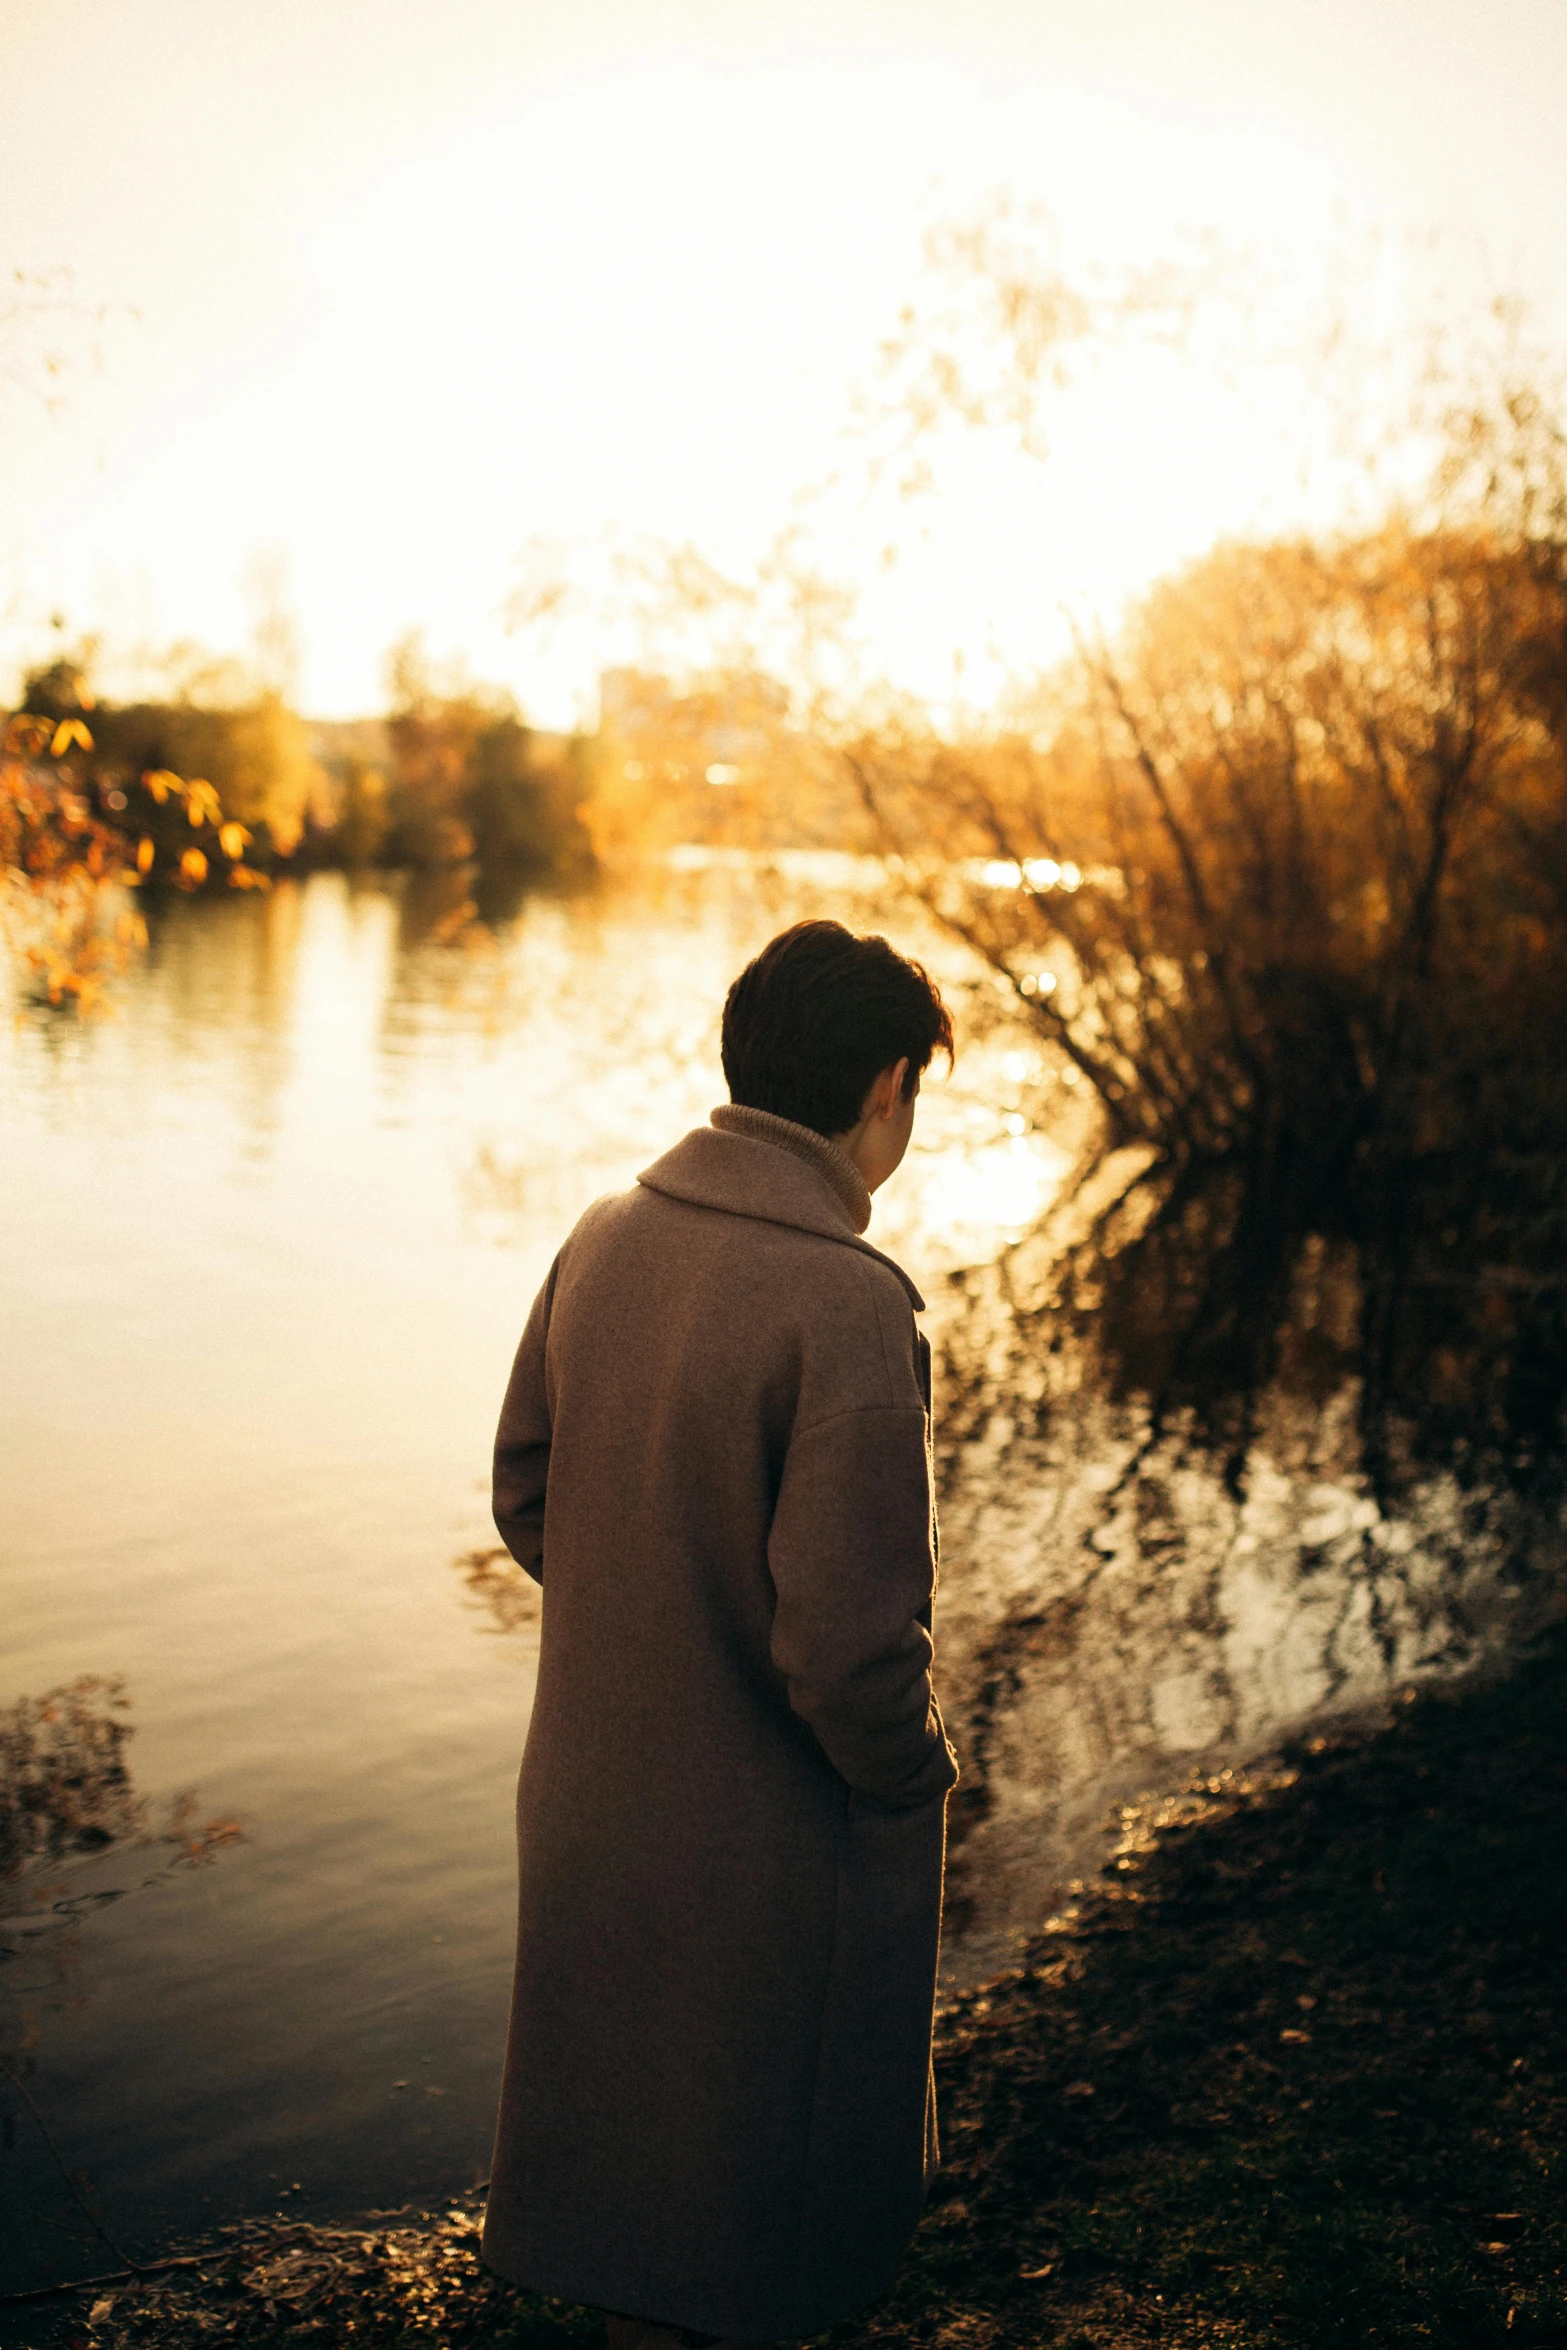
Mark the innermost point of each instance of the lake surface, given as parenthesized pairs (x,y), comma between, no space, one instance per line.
(272,1230)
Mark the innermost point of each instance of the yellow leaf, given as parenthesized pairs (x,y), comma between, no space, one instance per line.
(193,868)
(144,856)
(232,839)
(69,730)
(160,782)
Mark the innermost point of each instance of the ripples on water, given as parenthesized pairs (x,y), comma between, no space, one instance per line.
(274,1228)
(1122,1622)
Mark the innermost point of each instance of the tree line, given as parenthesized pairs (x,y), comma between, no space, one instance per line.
(451,774)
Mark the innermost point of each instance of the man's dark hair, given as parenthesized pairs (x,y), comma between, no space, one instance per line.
(813,1021)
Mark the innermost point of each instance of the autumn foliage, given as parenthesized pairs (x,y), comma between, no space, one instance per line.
(1282,875)
(75,847)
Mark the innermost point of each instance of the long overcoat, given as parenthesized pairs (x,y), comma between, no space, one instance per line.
(717,2107)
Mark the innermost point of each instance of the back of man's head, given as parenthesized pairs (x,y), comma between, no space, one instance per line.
(812,1022)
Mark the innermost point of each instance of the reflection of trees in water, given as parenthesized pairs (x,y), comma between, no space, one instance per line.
(466,905)
(64,1787)
(67,1801)
(68,1808)
(1116,1606)
(497,1585)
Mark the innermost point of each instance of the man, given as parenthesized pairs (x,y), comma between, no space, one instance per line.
(717,2119)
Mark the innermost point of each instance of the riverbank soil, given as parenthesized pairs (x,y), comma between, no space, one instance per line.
(1294,2072)
(1296,2075)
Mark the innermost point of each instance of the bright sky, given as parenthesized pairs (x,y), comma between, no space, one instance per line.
(395,292)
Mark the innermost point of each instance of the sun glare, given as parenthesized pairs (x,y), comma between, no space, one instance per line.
(533,280)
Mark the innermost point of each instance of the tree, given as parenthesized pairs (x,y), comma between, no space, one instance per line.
(253,750)
(471,782)
(1284,881)
(71,858)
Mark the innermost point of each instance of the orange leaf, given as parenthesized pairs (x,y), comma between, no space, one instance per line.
(144,856)
(193,868)
(69,730)
(232,839)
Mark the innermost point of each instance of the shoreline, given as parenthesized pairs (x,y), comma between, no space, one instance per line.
(1291,2071)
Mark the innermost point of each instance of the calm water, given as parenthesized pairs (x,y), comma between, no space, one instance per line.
(272,1231)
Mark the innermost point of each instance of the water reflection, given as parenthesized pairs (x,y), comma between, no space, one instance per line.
(1119,1610)
(64,1786)
(67,1800)
(69,1815)
(497,1585)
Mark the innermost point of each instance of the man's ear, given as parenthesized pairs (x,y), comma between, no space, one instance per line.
(893,1080)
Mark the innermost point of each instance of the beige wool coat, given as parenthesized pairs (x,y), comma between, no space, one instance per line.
(717,2106)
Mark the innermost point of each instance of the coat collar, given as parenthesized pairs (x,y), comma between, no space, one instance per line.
(742,1175)
(802,1142)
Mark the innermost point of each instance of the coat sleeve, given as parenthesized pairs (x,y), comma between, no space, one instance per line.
(522,1442)
(850,1555)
